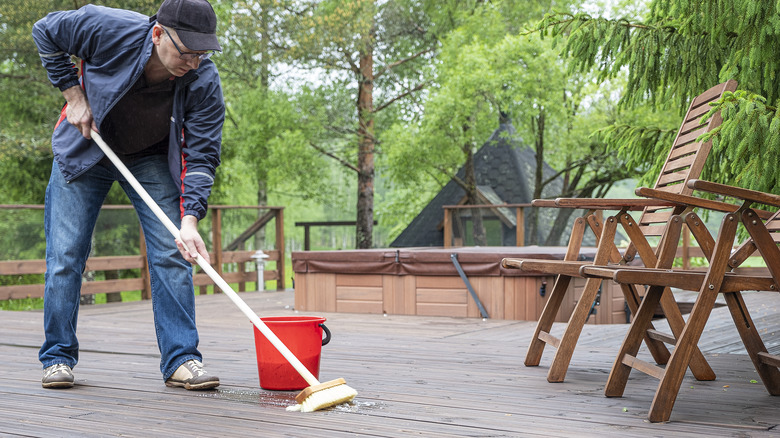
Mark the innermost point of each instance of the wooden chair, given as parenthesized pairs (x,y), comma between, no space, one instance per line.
(684,162)
(720,277)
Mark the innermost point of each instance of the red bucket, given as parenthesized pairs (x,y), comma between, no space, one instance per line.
(303,336)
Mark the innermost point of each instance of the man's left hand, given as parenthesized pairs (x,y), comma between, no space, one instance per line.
(191,244)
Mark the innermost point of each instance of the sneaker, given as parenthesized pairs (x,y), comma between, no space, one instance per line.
(57,376)
(191,375)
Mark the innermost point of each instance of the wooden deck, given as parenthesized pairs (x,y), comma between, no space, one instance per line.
(416,376)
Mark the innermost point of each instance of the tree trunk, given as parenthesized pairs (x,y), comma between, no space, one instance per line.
(264,52)
(262,192)
(559,227)
(537,127)
(113,297)
(365,107)
(262,199)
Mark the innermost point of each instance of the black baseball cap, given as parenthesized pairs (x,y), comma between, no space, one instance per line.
(194,21)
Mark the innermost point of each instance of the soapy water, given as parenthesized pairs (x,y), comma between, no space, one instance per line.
(357,406)
(263,398)
(282,399)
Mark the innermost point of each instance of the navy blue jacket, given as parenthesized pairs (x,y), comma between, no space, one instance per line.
(114,46)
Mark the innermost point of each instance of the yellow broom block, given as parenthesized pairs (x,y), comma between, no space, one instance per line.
(317,395)
(324,395)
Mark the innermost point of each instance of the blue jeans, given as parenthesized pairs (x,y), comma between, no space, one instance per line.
(71,212)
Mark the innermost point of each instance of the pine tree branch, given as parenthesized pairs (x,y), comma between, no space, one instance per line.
(545,24)
(575,165)
(402,95)
(352,66)
(343,162)
(400,62)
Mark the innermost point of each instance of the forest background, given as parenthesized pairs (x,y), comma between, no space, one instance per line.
(363,109)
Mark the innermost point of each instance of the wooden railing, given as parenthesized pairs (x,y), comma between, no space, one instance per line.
(307,229)
(519,221)
(685,251)
(231,253)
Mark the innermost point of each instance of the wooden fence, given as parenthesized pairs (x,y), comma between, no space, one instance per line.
(231,253)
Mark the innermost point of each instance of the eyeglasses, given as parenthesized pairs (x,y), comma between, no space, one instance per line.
(188,56)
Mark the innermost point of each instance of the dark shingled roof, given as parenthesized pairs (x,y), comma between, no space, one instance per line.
(504,164)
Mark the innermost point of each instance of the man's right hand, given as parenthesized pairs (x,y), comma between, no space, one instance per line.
(78,111)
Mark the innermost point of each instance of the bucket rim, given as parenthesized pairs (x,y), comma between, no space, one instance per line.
(293,319)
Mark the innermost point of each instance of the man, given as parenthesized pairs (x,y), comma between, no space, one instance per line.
(148,87)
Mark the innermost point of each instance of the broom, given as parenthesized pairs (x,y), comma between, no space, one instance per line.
(317,395)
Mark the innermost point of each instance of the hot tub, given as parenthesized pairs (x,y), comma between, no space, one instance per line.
(424,281)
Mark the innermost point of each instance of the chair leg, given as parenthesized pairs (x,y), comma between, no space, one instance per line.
(770,375)
(571,334)
(618,376)
(546,320)
(669,387)
(581,312)
(657,348)
(700,369)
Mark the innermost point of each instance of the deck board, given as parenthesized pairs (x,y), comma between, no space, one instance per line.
(416,376)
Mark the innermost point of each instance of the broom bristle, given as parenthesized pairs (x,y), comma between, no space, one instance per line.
(323,396)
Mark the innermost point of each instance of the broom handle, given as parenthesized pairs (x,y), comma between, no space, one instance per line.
(299,367)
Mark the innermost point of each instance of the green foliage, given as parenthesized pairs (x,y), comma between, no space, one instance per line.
(746,147)
(679,49)
(526,80)
(646,147)
(30,106)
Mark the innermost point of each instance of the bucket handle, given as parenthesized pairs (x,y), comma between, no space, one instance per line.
(327,334)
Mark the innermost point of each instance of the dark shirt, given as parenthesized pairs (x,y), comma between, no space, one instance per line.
(139,124)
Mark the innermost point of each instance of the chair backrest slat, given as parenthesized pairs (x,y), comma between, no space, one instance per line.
(656,217)
(691,124)
(653,230)
(699,110)
(773,225)
(686,157)
(673,177)
(711,94)
(690,136)
(684,150)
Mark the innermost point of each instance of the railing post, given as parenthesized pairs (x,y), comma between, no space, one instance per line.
(306,238)
(216,230)
(447,227)
(520,231)
(241,270)
(280,247)
(146,292)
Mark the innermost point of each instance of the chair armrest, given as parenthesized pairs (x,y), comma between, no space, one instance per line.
(549,203)
(695,201)
(687,200)
(735,192)
(612,204)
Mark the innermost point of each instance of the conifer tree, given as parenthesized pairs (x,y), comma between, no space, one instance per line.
(678,50)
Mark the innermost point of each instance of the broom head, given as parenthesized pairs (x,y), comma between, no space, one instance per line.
(324,395)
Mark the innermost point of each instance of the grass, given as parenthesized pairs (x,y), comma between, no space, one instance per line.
(24,304)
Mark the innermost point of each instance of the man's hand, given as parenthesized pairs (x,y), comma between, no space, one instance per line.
(78,112)
(191,240)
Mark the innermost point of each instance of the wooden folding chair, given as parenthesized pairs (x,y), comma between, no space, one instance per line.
(720,277)
(685,161)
